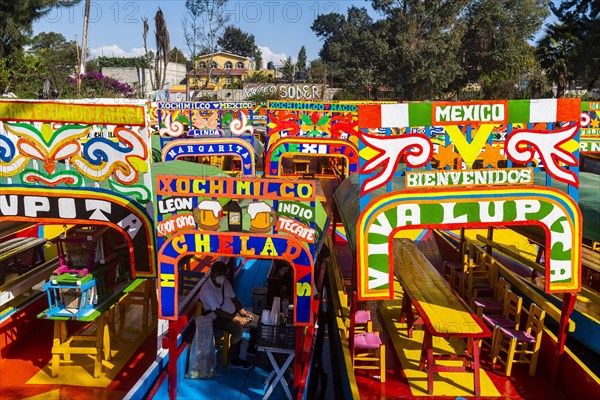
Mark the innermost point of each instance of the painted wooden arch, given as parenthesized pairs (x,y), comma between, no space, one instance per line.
(227,244)
(310,147)
(550,209)
(212,147)
(75,206)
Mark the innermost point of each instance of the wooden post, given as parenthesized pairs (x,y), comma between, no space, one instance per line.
(172,366)
(490,237)
(568,305)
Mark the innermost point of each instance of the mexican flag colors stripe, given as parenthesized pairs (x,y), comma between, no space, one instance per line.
(459,113)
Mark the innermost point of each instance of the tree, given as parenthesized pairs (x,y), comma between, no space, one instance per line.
(554,52)
(495,44)
(317,72)
(203,24)
(357,47)
(580,18)
(288,70)
(58,62)
(301,63)
(421,61)
(236,41)
(16,19)
(177,56)
(161,58)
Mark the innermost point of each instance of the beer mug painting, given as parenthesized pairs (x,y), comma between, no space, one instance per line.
(262,217)
(208,214)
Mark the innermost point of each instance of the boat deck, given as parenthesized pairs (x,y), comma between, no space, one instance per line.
(25,370)
(404,380)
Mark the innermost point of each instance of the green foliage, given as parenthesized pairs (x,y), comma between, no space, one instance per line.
(263,97)
(236,41)
(554,52)
(123,62)
(260,77)
(288,70)
(16,18)
(301,63)
(177,56)
(430,50)
(580,19)
(355,49)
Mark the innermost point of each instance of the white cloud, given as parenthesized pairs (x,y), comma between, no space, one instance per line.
(115,51)
(270,55)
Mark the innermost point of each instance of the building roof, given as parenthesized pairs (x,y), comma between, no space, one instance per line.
(224,53)
(221,71)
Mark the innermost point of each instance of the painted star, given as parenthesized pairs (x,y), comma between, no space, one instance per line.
(595,123)
(491,155)
(445,156)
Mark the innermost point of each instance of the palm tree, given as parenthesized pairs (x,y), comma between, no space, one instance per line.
(554,51)
(288,70)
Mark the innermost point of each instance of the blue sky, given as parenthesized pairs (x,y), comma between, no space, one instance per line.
(280,27)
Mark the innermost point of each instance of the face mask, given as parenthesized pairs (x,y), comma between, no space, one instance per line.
(220,279)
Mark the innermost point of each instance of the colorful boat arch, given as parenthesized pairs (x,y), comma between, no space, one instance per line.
(310,147)
(226,244)
(229,217)
(212,147)
(201,119)
(553,210)
(53,171)
(72,206)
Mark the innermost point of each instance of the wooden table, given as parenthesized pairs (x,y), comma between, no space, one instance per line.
(443,313)
(96,345)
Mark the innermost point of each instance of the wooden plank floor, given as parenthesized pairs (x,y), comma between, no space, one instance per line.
(25,373)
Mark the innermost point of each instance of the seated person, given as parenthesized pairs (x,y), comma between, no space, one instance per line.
(218,298)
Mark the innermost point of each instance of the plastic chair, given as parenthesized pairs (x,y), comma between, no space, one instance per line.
(366,349)
(521,346)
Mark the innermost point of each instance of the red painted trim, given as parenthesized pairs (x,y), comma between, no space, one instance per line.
(157,385)
(172,365)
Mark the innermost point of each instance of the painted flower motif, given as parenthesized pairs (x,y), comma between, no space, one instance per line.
(312,123)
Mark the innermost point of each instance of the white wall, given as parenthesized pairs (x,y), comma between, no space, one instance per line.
(175,74)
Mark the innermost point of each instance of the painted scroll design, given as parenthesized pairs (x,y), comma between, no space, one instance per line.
(551,146)
(417,149)
(66,161)
(172,123)
(241,126)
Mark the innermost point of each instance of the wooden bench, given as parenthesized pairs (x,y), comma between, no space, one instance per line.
(441,310)
(19,255)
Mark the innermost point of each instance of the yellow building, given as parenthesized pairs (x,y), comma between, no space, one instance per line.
(224,69)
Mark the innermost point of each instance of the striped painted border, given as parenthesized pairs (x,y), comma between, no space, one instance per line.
(421,114)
